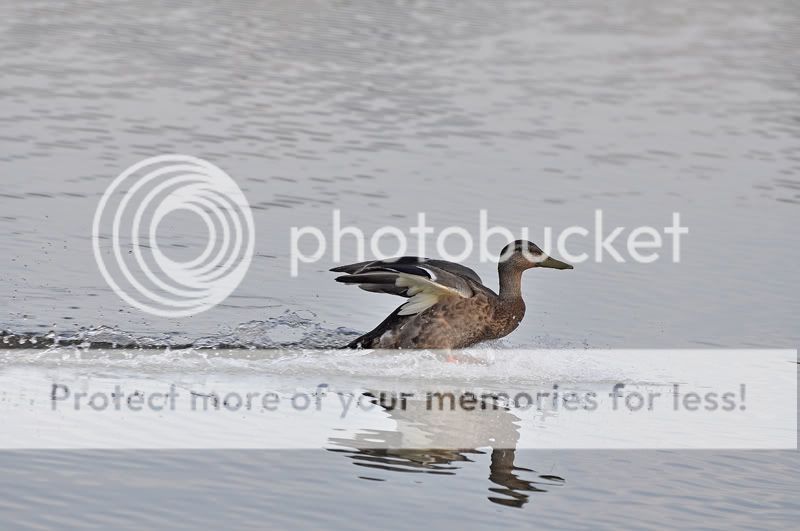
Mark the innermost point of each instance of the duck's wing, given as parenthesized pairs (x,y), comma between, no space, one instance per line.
(452,267)
(424,282)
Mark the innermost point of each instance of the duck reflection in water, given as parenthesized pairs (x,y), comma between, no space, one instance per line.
(439,441)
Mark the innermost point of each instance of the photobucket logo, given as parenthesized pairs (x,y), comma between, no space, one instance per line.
(136,204)
(643,244)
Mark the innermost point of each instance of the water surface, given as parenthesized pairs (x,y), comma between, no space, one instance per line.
(540,113)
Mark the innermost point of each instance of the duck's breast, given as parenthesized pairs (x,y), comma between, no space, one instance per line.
(454,322)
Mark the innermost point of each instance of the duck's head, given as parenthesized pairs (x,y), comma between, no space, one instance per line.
(523,254)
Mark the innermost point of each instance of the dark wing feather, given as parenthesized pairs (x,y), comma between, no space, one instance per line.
(452,267)
(424,282)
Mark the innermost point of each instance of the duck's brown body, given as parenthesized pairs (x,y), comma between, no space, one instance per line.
(448,307)
(454,322)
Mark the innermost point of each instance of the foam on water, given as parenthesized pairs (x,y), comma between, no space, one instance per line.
(483,365)
(291,329)
(296,344)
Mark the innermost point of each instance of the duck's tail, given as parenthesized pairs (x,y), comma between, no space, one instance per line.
(356,343)
(370,339)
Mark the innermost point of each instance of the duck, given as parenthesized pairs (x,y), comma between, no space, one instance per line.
(448,305)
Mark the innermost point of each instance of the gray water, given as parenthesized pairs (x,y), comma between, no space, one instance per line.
(539,112)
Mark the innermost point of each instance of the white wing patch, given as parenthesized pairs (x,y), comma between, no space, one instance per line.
(423,293)
(431,273)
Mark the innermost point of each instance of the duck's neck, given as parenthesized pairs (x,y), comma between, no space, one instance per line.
(510,282)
